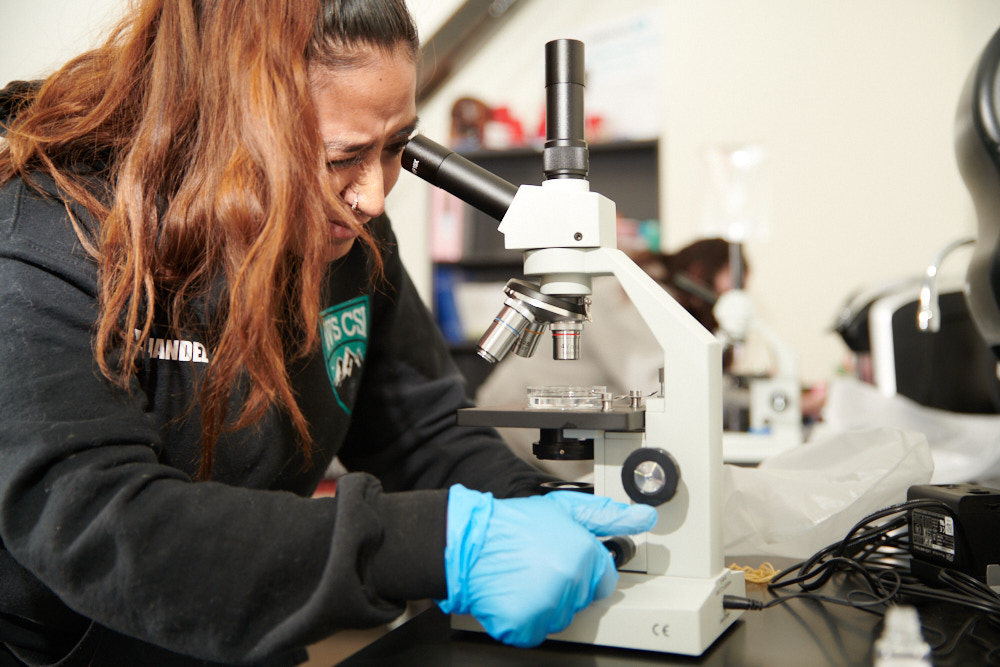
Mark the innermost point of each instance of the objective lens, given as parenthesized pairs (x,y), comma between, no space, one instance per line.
(528,342)
(501,335)
(566,339)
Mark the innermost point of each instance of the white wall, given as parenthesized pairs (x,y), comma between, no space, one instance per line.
(37,36)
(852,100)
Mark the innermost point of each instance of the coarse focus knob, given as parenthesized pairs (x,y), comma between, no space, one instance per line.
(650,476)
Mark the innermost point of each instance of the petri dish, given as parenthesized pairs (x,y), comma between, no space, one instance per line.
(567,397)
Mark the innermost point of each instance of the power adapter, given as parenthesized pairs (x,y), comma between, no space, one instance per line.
(962,535)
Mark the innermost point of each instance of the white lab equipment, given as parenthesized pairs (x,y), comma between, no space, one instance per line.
(665,451)
(902,642)
(775,406)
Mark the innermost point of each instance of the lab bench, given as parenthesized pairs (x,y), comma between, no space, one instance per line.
(796,633)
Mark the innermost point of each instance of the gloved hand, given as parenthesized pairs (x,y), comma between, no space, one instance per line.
(524,566)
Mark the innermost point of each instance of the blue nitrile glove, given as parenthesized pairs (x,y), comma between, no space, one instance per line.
(524,566)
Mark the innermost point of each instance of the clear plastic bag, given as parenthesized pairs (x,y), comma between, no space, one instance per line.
(797,502)
(965,447)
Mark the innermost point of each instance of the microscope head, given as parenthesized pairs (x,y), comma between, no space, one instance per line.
(554,224)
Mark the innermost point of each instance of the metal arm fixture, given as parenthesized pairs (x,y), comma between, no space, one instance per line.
(929,314)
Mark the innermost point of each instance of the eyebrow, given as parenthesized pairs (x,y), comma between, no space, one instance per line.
(338,146)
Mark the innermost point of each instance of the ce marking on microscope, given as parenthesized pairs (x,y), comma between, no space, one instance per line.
(662,630)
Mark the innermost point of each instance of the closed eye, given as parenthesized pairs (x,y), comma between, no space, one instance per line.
(346,163)
(396,148)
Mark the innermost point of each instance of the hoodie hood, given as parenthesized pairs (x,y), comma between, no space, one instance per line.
(13,98)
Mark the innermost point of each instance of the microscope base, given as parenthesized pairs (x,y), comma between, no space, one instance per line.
(652,613)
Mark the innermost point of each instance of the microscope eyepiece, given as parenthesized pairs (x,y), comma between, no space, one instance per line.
(463,178)
(565,154)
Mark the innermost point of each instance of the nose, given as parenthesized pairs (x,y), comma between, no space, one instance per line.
(369,192)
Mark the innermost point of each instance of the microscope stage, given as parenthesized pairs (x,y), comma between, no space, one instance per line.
(616,419)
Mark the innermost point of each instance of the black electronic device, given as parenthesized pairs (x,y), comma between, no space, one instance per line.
(962,534)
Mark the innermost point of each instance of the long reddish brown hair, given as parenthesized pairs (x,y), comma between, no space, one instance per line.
(196,118)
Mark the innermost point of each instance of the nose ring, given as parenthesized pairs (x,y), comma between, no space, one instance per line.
(354,206)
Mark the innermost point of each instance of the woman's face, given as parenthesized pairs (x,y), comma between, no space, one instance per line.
(366,115)
(723,281)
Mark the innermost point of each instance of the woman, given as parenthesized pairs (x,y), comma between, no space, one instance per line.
(697,274)
(201,305)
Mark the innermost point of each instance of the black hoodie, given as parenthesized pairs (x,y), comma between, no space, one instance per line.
(112,554)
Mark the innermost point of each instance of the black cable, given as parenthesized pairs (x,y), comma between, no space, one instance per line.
(814,564)
(879,555)
(844,545)
(949,647)
(968,584)
(892,509)
(929,636)
(878,596)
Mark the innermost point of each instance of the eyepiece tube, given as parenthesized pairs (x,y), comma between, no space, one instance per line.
(463,178)
(565,154)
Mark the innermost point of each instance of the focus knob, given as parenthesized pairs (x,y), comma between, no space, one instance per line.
(650,476)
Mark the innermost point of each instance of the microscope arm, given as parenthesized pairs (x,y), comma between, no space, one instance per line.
(685,420)
(785,361)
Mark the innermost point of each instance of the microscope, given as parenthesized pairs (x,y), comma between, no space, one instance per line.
(664,450)
(775,404)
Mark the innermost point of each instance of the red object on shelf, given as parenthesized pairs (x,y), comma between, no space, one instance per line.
(502,115)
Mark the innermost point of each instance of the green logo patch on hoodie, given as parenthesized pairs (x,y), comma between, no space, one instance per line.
(345,341)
